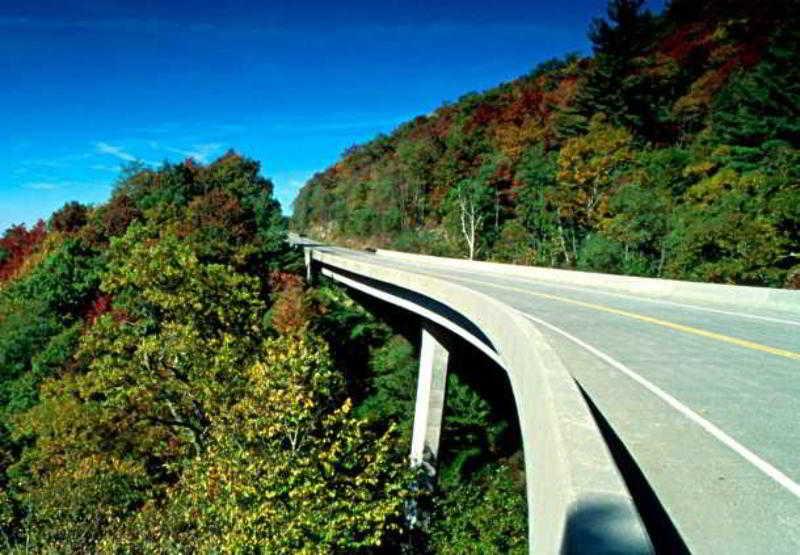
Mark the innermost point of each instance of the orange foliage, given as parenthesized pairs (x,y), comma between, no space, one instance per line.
(703,89)
(688,40)
(291,310)
(484,114)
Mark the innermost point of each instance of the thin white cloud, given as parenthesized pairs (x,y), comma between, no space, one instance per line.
(62,161)
(199,152)
(118,152)
(43,185)
(104,168)
(55,184)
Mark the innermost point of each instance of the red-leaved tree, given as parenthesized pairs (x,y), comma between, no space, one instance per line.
(17,244)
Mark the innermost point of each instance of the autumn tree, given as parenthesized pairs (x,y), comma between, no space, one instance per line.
(287,469)
(587,170)
(70,217)
(150,377)
(16,245)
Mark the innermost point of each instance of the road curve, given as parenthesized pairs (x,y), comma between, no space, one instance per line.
(705,397)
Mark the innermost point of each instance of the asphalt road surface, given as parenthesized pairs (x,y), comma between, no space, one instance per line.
(706,399)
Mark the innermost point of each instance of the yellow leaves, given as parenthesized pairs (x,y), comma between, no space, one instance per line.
(591,158)
(703,167)
(586,169)
(249,492)
(711,188)
(512,139)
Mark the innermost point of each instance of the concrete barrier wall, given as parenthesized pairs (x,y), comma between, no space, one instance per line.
(577,501)
(733,296)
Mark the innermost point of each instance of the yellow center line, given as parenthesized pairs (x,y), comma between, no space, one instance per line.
(650,320)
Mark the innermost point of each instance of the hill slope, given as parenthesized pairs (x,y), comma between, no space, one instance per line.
(673,151)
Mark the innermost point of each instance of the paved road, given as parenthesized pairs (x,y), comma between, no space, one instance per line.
(705,398)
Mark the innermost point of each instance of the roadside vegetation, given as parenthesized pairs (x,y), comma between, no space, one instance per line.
(168,383)
(673,151)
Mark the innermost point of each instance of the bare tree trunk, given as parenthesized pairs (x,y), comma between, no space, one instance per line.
(563,241)
(662,258)
(470,221)
(496,208)
(193,433)
(574,246)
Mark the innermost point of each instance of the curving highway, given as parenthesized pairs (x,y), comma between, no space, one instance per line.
(702,397)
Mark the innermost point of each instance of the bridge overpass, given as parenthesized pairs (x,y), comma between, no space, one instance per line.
(655,415)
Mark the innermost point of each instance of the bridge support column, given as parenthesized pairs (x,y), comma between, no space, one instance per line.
(431,387)
(309,262)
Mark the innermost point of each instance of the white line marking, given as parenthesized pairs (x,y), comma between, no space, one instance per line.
(765,467)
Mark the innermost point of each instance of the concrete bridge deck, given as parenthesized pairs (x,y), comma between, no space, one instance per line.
(697,385)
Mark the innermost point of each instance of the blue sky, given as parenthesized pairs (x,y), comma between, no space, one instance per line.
(90,85)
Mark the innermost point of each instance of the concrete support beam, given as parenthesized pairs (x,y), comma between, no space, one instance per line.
(431,387)
(309,261)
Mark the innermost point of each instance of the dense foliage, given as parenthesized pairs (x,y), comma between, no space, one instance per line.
(162,387)
(479,502)
(168,383)
(673,151)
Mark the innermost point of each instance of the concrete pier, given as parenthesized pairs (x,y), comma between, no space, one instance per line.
(431,387)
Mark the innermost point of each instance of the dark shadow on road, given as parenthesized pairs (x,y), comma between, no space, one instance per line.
(660,528)
(601,527)
(310,245)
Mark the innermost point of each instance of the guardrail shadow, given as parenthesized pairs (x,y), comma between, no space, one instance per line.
(662,531)
(600,527)
(310,245)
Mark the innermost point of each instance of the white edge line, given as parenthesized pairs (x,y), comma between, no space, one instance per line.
(765,467)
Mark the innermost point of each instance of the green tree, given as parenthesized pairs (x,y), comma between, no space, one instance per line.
(146,381)
(64,281)
(288,469)
(725,234)
(486,515)
(639,220)
(762,104)
(536,178)
(612,86)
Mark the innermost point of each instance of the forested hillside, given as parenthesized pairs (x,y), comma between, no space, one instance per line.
(673,151)
(169,384)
